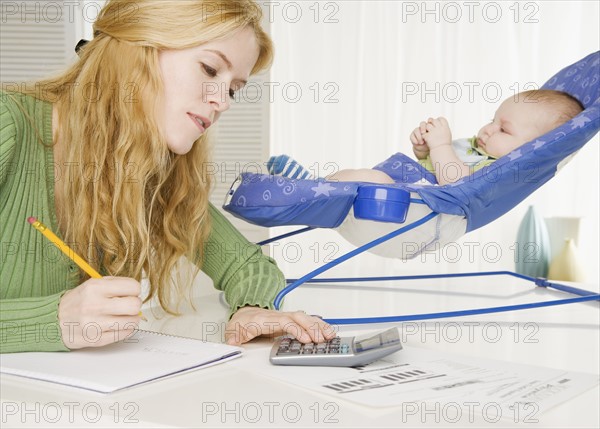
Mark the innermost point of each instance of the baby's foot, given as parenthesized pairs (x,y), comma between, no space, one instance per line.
(283,165)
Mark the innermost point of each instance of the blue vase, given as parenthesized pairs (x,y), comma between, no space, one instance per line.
(532,246)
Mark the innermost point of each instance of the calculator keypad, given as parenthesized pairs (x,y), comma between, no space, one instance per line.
(290,346)
(339,351)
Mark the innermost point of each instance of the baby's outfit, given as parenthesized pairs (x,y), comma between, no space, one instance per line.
(406,169)
(468,152)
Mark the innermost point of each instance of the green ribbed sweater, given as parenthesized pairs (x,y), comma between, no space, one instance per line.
(34,274)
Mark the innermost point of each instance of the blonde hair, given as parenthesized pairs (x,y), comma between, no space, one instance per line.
(144,207)
(563,106)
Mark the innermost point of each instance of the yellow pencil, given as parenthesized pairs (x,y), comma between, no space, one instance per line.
(63,247)
(67,250)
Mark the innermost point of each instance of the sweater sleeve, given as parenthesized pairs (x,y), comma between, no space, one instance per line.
(8,139)
(238,267)
(30,325)
(26,323)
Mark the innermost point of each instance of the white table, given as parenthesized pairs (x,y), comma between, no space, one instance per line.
(233,394)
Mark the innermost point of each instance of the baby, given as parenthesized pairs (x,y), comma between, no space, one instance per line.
(518,120)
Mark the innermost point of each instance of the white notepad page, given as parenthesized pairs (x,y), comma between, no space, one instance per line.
(143,357)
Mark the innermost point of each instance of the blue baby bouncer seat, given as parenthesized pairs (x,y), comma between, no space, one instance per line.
(414,214)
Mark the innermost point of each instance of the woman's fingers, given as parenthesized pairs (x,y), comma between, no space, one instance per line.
(123,306)
(99,312)
(99,332)
(251,322)
(308,328)
(120,286)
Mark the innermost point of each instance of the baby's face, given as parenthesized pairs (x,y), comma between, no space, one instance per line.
(516,122)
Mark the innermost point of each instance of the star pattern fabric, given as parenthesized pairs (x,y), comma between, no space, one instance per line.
(480,197)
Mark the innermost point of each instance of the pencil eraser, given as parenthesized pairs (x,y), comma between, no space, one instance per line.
(31,220)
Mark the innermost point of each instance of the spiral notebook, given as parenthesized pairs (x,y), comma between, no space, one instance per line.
(145,356)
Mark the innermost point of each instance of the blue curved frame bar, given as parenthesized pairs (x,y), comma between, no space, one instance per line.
(582,295)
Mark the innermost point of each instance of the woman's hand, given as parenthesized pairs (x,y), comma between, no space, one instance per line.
(99,312)
(250,322)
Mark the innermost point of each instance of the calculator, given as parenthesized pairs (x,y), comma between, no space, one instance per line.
(339,351)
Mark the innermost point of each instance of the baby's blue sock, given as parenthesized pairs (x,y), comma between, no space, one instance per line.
(283,165)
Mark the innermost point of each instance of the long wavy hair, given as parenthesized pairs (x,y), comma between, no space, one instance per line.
(144,207)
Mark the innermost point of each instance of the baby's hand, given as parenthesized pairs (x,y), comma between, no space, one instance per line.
(437,133)
(420,148)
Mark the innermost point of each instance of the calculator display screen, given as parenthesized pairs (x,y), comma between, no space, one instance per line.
(385,338)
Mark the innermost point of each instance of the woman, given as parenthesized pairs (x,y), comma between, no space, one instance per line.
(117,145)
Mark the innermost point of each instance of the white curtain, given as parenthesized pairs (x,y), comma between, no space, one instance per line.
(369,71)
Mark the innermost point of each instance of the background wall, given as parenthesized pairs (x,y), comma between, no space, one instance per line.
(352,79)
